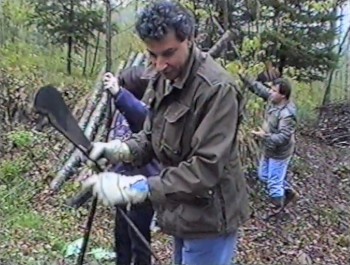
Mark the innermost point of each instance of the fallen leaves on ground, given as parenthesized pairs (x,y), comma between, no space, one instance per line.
(313,231)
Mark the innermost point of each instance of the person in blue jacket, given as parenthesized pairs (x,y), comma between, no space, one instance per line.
(132,113)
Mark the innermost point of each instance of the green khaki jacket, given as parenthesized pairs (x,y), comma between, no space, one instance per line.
(201,191)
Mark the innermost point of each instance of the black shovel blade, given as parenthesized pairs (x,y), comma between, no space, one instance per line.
(50,103)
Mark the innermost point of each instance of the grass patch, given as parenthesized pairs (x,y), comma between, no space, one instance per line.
(34,224)
(29,233)
(34,229)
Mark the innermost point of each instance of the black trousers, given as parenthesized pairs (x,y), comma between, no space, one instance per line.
(128,246)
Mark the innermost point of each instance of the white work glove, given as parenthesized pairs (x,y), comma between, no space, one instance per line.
(116,189)
(110,82)
(115,151)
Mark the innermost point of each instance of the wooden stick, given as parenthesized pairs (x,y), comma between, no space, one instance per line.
(220,45)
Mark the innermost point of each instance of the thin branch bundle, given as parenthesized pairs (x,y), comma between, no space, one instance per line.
(90,105)
(334,124)
(88,122)
(70,167)
(221,44)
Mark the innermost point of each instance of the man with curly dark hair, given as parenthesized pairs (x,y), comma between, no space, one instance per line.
(195,108)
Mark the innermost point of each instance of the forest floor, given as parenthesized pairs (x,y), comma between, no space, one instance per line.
(315,230)
(36,226)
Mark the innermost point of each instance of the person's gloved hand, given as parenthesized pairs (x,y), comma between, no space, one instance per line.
(115,151)
(116,189)
(110,82)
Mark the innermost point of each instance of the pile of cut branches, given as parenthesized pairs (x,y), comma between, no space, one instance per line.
(333,127)
(92,121)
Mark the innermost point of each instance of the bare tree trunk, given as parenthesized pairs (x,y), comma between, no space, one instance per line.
(225,14)
(257,19)
(108,36)
(95,53)
(327,93)
(85,59)
(69,55)
(220,45)
(70,40)
(86,48)
(347,70)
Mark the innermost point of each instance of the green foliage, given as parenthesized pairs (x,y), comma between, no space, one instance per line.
(290,33)
(71,23)
(60,20)
(307,96)
(21,138)
(17,12)
(30,220)
(250,46)
(11,169)
(26,141)
(320,7)
(14,16)
(29,62)
(36,225)
(200,13)
(20,221)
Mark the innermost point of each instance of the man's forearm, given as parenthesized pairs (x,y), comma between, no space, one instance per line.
(256,87)
(259,89)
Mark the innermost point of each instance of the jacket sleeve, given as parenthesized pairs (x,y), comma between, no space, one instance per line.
(286,128)
(256,87)
(134,110)
(212,144)
(259,89)
(131,79)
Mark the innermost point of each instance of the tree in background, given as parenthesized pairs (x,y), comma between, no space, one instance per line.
(72,23)
(298,35)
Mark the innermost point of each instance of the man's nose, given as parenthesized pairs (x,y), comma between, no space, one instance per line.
(161,64)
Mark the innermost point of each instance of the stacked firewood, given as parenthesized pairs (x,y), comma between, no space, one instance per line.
(93,122)
(334,124)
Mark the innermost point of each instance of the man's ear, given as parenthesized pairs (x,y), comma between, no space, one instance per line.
(190,41)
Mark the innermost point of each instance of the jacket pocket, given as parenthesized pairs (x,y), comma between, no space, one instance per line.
(200,218)
(175,118)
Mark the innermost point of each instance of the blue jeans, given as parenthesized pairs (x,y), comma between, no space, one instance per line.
(209,251)
(273,173)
